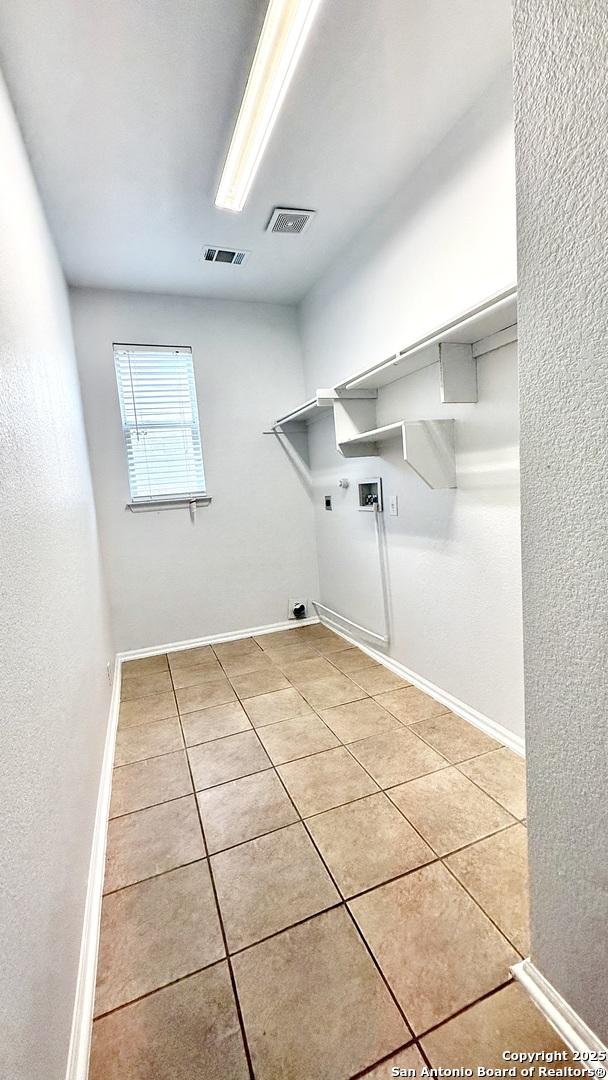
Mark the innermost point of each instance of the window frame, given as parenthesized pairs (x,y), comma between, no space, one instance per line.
(139,503)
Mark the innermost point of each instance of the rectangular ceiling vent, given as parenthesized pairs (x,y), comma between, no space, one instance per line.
(225,255)
(284,220)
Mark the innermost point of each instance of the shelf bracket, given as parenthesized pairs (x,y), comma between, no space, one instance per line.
(457,373)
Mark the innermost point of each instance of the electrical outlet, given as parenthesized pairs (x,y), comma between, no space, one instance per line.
(296,605)
(394,505)
(109,671)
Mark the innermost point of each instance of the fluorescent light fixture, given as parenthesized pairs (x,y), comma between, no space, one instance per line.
(283,36)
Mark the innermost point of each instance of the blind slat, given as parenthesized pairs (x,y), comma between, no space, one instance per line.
(160,422)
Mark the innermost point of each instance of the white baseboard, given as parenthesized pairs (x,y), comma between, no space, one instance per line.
(479,720)
(216,639)
(568,1024)
(82,1019)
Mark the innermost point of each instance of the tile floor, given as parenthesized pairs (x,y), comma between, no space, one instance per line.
(314,872)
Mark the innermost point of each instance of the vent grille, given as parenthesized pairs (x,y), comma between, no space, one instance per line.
(228,256)
(284,220)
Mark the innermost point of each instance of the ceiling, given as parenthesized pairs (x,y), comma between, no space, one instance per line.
(127,109)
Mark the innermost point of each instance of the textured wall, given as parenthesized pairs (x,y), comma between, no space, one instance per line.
(561,123)
(54,645)
(253,548)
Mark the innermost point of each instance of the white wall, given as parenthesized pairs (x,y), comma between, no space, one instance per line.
(54,641)
(442,245)
(562,193)
(453,556)
(253,547)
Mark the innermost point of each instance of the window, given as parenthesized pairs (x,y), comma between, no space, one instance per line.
(160,423)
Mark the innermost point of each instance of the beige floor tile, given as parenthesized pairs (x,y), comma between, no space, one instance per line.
(360,720)
(337,690)
(453,737)
(314,632)
(296,738)
(259,682)
(189,1031)
(495,872)
(435,946)
(226,759)
(349,660)
(152,841)
(367,842)
(244,663)
(331,646)
(148,740)
(314,1005)
(196,676)
(269,884)
(503,775)
(396,756)
(193,698)
(376,681)
(238,647)
(301,672)
(139,686)
(271,708)
(448,810)
(505,1021)
(144,666)
(244,809)
(325,780)
(214,723)
(410,704)
(144,710)
(291,654)
(410,1058)
(155,932)
(187,658)
(280,639)
(148,782)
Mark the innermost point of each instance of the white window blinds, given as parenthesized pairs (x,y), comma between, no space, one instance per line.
(160,422)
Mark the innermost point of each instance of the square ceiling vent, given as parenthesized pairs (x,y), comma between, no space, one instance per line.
(228,256)
(284,220)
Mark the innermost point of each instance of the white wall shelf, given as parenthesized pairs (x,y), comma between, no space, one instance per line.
(428,448)
(428,445)
(312,410)
(498,313)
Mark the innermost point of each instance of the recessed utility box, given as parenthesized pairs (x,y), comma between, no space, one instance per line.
(370,494)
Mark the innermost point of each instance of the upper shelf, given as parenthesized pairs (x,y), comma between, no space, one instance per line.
(493,316)
(324,399)
(304,413)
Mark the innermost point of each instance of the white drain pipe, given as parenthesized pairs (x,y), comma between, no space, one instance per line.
(384,638)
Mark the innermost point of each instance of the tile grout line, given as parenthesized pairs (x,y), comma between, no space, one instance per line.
(467,1007)
(482,909)
(388,1057)
(237,1003)
(348,912)
(157,989)
(441,859)
(493,797)
(344,901)
(279,828)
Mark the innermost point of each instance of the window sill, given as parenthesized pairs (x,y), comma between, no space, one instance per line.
(177,503)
